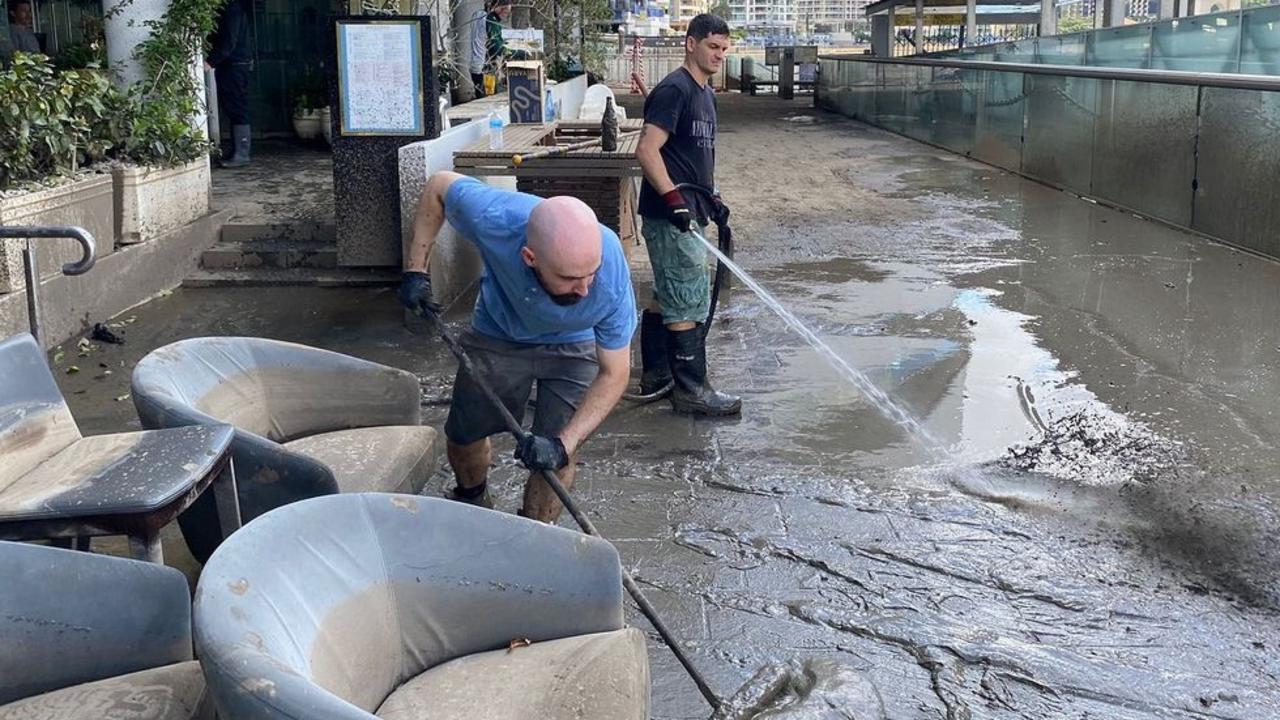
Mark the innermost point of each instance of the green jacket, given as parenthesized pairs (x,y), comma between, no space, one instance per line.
(495,47)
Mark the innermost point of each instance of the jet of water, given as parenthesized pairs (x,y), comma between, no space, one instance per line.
(920,435)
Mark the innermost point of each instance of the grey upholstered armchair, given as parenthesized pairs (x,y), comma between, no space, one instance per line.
(309,422)
(345,606)
(86,637)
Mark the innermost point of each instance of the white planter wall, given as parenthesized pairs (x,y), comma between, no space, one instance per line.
(86,201)
(150,202)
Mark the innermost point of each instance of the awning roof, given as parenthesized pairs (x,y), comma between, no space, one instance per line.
(955,5)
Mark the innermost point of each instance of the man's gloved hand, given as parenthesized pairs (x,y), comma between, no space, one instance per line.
(719,211)
(541,453)
(415,292)
(678,211)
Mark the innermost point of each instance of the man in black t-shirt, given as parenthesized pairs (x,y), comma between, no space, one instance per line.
(678,145)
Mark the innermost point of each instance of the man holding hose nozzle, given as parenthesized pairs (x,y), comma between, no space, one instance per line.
(555,306)
(678,147)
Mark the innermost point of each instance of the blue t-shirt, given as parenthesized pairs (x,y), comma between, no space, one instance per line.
(512,304)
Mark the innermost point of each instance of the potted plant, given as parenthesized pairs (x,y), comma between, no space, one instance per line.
(309,102)
(163,178)
(51,167)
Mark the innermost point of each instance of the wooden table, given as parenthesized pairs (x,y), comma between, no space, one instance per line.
(124,484)
(603,180)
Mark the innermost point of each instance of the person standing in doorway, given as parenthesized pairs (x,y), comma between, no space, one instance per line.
(232,62)
(496,51)
(678,146)
(22,32)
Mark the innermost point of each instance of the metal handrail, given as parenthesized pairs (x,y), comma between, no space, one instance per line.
(1166,77)
(32,272)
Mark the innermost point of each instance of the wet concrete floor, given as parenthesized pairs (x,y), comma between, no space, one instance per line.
(1124,569)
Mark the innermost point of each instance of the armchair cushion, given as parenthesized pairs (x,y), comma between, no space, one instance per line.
(393,458)
(170,692)
(603,676)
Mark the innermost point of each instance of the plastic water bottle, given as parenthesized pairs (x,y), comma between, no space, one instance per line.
(495,131)
(548,108)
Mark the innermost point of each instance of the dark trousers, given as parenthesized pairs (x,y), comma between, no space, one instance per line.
(233,91)
(477,79)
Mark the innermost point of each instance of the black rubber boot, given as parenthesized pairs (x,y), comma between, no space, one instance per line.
(653,353)
(478,496)
(692,394)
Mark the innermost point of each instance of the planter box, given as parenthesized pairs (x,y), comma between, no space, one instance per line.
(85,201)
(150,202)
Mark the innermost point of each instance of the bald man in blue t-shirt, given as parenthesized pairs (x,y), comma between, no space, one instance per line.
(555,306)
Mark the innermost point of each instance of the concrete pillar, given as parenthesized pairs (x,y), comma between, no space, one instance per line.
(124,31)
(881,35)
(787,73)
(918,36)
(1048,17)
(1168,9)
(971,22)
(1113,12)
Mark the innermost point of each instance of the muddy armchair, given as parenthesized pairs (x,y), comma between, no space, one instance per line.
(86,637)
(409,607)
(308,422)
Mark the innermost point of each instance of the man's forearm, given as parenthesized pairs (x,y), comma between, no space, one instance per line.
(427,222)
(597,403)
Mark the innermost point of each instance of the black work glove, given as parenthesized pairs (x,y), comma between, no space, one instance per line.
(415,292)
(541,453)
(719,211)
(678,211)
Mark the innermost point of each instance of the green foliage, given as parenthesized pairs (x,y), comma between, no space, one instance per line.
(312,91)
(571,31)
(54,123)
(55,120)
(162,107)
(1074,23)
(90,53)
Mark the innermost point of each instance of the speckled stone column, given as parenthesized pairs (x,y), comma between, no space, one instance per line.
(366,178)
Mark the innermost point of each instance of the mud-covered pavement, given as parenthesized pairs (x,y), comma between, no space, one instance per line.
(1124,569)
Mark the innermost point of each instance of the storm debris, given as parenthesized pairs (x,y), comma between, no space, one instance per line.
(1094,448)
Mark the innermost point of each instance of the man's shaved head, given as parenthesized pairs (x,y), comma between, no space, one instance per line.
(564,246)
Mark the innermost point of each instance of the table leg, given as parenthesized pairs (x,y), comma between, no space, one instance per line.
(227,500)
(146,547)
(83,543)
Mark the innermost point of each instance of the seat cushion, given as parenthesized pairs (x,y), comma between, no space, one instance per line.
(604,676)
(390,458)
(171,692)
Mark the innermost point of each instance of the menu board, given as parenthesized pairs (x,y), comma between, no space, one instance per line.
(380,77)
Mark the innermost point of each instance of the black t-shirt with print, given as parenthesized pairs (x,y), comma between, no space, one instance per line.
(687,110)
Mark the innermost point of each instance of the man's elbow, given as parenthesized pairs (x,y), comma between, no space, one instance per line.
(438,186)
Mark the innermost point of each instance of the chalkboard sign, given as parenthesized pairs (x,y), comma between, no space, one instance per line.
(380,77)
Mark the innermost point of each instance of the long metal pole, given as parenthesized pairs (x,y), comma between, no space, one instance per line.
(583,521)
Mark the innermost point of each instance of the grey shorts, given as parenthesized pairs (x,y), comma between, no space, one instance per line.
(563,373)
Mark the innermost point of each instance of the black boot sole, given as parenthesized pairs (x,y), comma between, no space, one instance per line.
(705,410)
(653,388)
